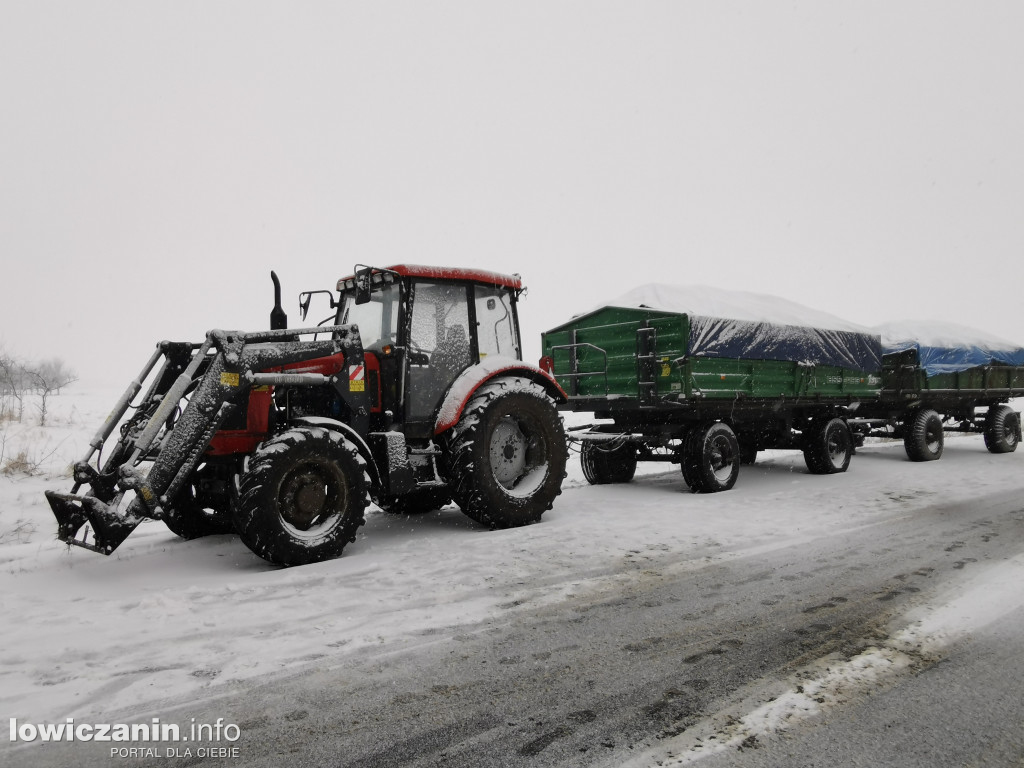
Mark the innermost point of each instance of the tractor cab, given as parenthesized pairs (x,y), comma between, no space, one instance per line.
(420,328)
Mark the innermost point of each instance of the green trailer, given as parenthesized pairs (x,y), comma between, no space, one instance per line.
(707,391)
(938,379)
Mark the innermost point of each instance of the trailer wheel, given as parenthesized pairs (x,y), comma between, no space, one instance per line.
(301,496)
(829,447)
(711,458)
(924,438)
(417,502)
(507,454)
(748,453)
(1002,429)
(604,465)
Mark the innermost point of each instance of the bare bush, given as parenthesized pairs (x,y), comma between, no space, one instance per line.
(13,385)
(20,533)
(19,379)
(49,378)
(19,464)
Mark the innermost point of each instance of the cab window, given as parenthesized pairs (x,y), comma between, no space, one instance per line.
(439,344)
(377,319)
(496,328)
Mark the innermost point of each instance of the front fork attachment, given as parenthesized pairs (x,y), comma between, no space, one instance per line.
(109,527)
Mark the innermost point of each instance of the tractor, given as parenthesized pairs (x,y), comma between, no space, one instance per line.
(411,394)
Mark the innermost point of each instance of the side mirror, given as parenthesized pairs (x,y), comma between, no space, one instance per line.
(307,296)
(363,284)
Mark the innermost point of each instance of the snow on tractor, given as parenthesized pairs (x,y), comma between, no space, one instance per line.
(413,396)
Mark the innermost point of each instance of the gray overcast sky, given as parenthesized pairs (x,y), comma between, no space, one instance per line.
(157,159)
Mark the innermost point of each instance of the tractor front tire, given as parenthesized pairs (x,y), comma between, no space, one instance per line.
(507,454)
(829,447)
(198,511)
(603,465)
(1002,429)
(924,438)
(301,496)
(190,519)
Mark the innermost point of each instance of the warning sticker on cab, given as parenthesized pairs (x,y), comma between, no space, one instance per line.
(356,378)
(229,379)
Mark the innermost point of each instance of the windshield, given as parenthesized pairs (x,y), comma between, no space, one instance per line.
(377,319)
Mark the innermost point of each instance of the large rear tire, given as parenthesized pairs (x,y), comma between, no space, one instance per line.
(711,458)
(1002,429)
(507,454)
(924,438)
(829,447)
(605,463)
(302,496)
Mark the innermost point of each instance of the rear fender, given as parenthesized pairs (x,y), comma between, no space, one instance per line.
(471,379)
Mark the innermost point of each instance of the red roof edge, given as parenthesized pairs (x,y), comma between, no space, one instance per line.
(453,273)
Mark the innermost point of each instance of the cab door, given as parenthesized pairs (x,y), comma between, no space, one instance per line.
(440,347)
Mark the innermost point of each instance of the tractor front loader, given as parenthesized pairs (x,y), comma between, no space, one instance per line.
(162,464)
(415,395)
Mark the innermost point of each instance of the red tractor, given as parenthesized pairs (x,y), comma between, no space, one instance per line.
(413,395)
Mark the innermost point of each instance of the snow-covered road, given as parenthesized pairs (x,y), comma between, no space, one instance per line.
(165,626)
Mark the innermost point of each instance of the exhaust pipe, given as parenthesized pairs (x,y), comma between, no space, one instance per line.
(278,318)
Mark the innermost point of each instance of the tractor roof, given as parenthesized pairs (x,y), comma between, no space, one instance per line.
(448,273)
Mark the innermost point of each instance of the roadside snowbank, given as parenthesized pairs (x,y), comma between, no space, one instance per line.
(992,593)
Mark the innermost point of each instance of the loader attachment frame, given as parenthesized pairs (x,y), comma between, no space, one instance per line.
(193,389)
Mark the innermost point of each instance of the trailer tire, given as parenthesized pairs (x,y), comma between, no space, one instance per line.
(507,454)
(748,453)
(604,466)
(418,502)
(711,458)
(301,496)
(923,437)
(1002,429)
(829,447)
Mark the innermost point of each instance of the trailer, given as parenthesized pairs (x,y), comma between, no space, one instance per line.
(706,379)
(938,378)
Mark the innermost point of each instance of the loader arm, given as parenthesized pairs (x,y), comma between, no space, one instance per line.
(162,444)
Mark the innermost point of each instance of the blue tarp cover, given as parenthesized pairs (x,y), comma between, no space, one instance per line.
(719,337)
(947,348)
(936,360)
(753,326)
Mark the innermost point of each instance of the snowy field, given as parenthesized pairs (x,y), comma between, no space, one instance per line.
(86,636)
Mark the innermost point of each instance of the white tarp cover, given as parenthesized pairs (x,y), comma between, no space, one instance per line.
(738,324)
(946,347)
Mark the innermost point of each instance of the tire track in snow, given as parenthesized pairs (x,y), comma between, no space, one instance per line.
(830,682)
